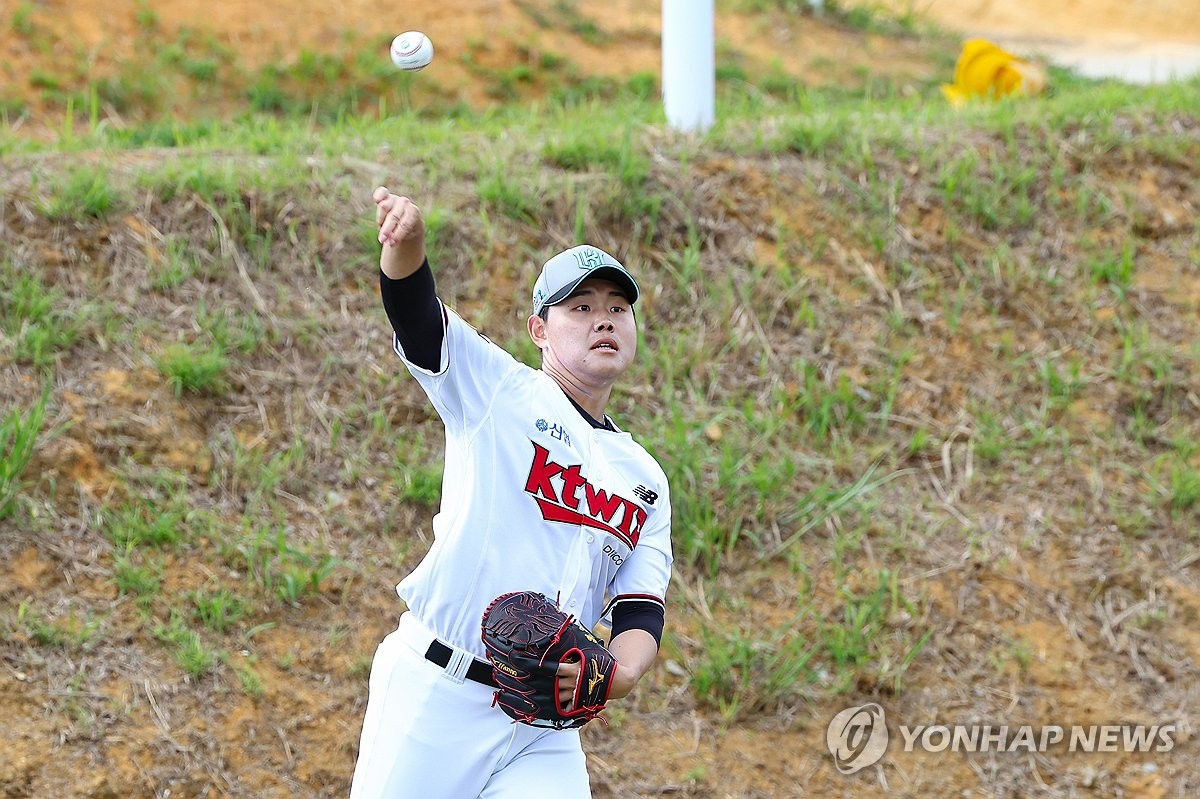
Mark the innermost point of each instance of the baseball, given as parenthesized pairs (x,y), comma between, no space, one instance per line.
(412,51)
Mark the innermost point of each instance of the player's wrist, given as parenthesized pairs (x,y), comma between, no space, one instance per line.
(623,682)
(401,261)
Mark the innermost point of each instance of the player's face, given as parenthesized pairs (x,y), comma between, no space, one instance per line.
(592,333)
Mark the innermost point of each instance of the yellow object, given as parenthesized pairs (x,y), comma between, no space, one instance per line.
(986,70)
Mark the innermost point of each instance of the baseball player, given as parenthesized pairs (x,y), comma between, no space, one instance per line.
(541,492)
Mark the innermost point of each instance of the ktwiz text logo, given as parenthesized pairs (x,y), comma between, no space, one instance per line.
(564,494)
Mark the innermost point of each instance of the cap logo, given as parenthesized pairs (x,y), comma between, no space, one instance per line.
(589,258)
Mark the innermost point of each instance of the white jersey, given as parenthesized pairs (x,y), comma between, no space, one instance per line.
(533,498)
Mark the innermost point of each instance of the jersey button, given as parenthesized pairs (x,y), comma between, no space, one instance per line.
(591,538)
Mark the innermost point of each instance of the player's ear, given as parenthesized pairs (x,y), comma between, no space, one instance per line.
(537,331)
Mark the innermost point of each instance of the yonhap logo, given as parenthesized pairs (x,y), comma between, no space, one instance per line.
(857,737)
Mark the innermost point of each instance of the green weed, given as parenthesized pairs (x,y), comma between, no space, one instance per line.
(360,669)
(251,682)
(258,473)
(826,405)
(584,148)
(685,264)
(998,194)
(506,195)
(241,332)
(709,535)
(132,90)
(82,194)
(218,610)
(721,677)
(134,525)
(22,20)
(286,572)
(1062,390)
(179,264)
(71,633)
(303,576)
(1115,270)
(439,223)
(150,521)
(860,645)
(1135,350)
(1184,488)
(1018,651)
(218,181)
(146,17)
(741,673)
(38,319)
(190,651)
(564,15)
(421,484)
(194,368)
(141,580)
(992,437)
(18,439)
(815,134)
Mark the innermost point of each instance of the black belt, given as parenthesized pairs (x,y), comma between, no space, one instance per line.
(478,671)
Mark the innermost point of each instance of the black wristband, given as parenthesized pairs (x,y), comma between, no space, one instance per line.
(639,615)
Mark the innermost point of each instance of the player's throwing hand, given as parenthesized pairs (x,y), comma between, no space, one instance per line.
(401,232)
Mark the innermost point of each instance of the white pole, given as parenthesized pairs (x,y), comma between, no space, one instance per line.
(689,68)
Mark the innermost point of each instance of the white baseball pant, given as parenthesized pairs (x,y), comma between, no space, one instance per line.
(429,733)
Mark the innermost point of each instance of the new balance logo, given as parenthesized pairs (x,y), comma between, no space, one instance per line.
(645,495)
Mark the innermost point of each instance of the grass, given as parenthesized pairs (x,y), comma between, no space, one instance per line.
(21,21)
(741,672)
(1115,270)
(84,193)
(177,265)
(33,318)
(18,440)
(191,653)
(136,525)
(279,568)
(231,332)
(499,192)
(1184,488)
(70,633)
(143,582)
(219,610)
(194,368)
(860,646)
(251,683)
(422,485)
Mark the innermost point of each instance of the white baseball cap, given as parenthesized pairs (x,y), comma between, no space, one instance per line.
(563,273)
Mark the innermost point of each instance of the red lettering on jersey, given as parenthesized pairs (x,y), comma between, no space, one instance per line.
(600,503)
(540,473)
(572,480)
(635,517)
(602,506)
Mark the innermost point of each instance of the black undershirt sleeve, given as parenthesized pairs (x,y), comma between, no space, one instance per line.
(413,309)
(636,615)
